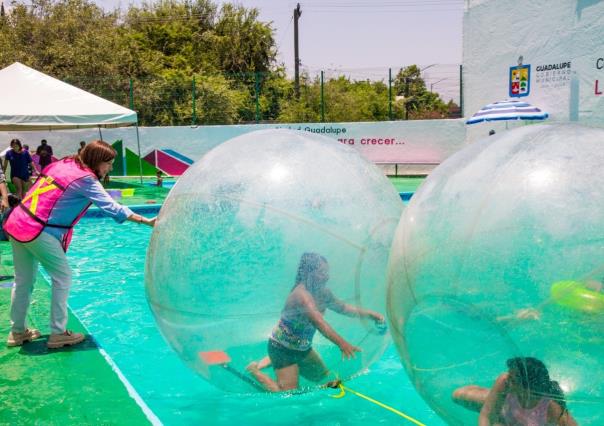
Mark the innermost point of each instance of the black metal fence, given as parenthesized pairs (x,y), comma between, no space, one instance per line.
(369,94)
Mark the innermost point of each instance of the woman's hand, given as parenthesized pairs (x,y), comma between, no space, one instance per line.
(348,350)
(142,219)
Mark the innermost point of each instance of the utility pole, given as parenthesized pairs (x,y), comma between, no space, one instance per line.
(407,93)
(390,94)
(297,14)
(461,90)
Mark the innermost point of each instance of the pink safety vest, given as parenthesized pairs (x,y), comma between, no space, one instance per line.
(30,217)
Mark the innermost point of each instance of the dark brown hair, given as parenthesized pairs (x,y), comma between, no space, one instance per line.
(309,263)
(531,374)
(95,153)
(16,142)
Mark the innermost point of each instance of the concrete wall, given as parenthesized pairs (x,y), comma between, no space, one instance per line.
(562,41)
(405,142)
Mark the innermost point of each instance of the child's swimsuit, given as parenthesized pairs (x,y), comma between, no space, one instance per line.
(291,339)
(515,415)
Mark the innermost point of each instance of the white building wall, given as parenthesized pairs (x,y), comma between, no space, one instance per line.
(546,33)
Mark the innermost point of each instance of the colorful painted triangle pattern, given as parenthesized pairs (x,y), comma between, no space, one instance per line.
(168,161)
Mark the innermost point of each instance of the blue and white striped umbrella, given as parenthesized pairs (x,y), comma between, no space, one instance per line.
(508,110)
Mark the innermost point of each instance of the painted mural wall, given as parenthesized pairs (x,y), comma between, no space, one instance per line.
(560,45)
(174,149)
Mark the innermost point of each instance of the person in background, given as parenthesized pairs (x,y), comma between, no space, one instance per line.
(20,165)
(160,179)
(4,206)
(31,167)
(13,201)
(44,151)
(82,145)
(3,192)
(523,396)
(40,231)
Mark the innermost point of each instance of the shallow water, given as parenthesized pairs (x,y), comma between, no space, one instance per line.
(108,296)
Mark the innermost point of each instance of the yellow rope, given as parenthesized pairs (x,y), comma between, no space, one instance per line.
(342,394)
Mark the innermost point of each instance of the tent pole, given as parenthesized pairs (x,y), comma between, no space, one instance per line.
(100,133)
(140,160)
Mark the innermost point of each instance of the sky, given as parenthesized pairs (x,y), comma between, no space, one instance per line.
(363,38)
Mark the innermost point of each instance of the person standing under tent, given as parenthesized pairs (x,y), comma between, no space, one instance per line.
(4,205)
(20,165)
(44,151)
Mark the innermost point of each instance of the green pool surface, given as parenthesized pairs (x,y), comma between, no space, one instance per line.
(145,194)
(56,387)
(73,385)
(406,184)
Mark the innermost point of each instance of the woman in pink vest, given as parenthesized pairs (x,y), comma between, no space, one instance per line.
(40,230)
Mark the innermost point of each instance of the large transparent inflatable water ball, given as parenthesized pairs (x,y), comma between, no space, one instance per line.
(267,238)
(496,272)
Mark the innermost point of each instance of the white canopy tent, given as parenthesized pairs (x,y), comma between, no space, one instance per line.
(31,100)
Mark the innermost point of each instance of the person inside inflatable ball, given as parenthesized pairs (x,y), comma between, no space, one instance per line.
(524,395)
(290,349)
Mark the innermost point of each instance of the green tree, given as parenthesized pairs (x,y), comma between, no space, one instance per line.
(418,102)
(164,100)
(170,35)
(72,40)
(160,46)
(70,37)
(217,101)
(274,88)
(197,38)
(241,42)
(344,100)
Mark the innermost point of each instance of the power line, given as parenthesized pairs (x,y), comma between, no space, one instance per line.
(285,33)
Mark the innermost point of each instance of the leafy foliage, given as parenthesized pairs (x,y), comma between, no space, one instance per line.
(179,62)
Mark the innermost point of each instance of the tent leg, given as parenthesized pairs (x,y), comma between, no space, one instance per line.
(100,133)
(140,160)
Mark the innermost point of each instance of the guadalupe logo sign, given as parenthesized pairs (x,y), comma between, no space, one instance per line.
(520,81)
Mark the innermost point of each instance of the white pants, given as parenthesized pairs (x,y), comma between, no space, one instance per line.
(47,251)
